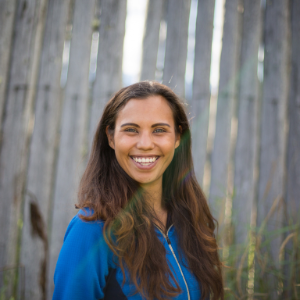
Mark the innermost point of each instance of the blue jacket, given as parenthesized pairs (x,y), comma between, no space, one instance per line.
(86,270)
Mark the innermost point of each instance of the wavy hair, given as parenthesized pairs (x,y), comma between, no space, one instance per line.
(120,202)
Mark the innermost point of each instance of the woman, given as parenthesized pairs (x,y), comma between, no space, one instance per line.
(144,230)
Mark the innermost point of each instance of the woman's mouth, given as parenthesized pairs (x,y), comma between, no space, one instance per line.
(145,161)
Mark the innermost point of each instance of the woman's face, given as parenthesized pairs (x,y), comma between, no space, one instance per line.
(144,139)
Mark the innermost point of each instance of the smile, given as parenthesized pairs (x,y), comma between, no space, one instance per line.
(145,161)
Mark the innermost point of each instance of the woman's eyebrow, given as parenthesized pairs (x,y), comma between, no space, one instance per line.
(154,125)
(130,124)
(161,124)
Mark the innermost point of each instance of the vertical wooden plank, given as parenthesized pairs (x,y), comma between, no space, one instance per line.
(18,123)
(293,155)
(73,143)
(178,13)
(292,274)
(7,16)
(246,152)
(155,11)
(201,84)
(37,205)
(220,161)
(273,130)
(110,54)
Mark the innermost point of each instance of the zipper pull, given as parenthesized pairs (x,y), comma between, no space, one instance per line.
(168,240)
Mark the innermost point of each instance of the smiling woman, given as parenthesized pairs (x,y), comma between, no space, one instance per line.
(145,139)
(142,232)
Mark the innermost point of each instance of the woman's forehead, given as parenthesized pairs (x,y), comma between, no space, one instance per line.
(152,109)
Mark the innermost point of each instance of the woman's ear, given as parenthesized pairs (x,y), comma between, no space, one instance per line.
(178,136)
(110,138)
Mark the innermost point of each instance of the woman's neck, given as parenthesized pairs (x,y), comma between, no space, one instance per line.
(154,192)
(155,199)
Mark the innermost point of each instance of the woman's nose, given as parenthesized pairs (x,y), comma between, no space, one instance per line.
(145,141)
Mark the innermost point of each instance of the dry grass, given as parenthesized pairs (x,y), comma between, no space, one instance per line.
(254,273)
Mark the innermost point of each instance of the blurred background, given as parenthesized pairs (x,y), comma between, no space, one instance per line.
(235,64)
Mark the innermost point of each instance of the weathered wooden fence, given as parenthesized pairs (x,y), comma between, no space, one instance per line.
(47,126)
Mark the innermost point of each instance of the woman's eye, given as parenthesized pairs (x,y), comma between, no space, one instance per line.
(159,130)
(130,130)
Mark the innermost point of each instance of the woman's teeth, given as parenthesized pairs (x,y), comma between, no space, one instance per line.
(145,161)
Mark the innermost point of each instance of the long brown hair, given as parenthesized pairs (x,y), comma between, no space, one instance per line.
(119,201)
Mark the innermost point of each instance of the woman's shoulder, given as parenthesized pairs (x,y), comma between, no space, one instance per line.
(86,212)
(84,260)
(84,240)
(84,229)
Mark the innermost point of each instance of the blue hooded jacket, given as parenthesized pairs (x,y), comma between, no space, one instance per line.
(86,270)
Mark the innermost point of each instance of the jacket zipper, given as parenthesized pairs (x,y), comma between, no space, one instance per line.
(171,248)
